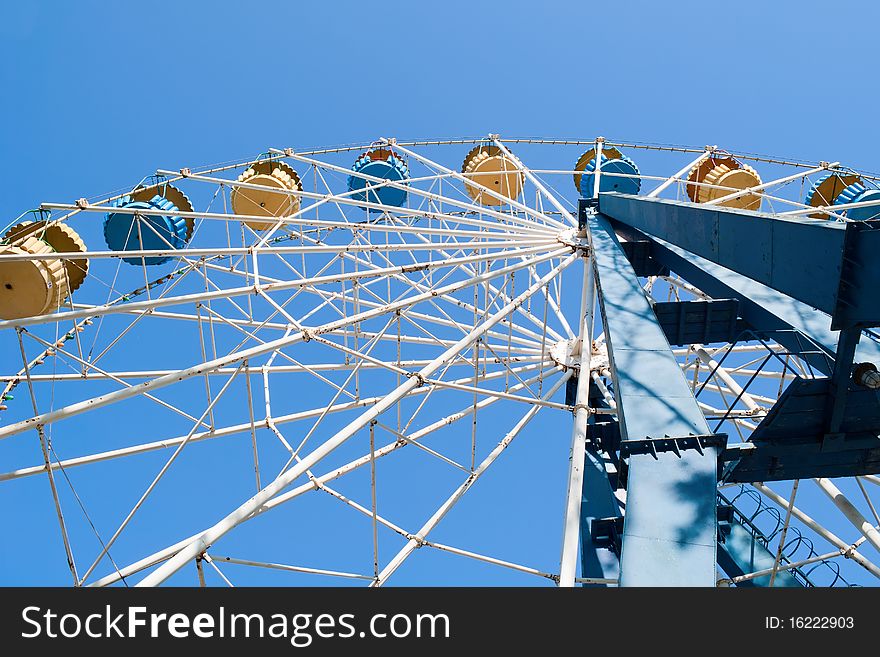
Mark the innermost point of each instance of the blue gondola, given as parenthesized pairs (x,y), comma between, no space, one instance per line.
(157,228)
(379,163)
(621,165)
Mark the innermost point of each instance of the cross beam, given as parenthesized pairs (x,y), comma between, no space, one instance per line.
(828,265)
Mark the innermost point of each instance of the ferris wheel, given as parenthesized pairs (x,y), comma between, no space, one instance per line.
(469,361)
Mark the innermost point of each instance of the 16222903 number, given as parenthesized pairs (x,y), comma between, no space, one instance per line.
(821,622)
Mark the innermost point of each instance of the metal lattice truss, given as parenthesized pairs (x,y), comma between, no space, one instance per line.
(315,398)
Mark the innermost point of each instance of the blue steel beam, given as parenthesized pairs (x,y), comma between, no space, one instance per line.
(793,324)
(669,536)
(840,379)
(825,264)
(597,502)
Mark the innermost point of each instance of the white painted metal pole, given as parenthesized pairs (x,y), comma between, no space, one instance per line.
(574,495)
(597,173)
(850,511)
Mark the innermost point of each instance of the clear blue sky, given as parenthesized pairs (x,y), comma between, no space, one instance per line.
(96,95)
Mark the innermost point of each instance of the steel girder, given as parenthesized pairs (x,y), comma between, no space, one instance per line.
(669,534)
(795,325)
(828,265)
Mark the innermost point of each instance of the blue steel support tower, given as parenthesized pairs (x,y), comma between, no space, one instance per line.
(810,285)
